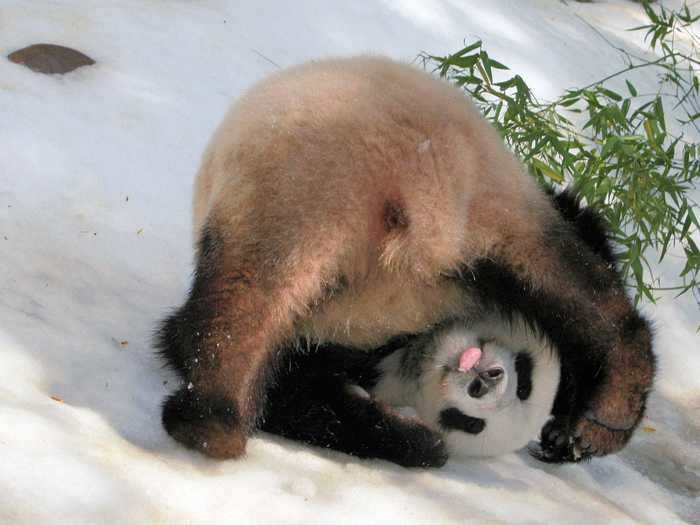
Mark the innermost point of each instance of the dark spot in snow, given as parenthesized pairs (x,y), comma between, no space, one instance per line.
(50,59)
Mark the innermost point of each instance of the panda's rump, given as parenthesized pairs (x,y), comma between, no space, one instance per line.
(376,163)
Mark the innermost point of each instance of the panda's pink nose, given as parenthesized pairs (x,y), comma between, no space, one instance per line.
(469,358)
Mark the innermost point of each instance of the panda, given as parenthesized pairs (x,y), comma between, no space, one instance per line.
(349,201)
(486,387)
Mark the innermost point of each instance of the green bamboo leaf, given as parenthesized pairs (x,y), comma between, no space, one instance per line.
(659,112)
(461,80)
(465,62)
(548,171)
(469,48)
(638,271)
(649,130)
(485,64)
(497,65)
(569,102)
(611,94)
(686,226)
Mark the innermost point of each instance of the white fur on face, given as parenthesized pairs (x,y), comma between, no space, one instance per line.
(498,398)
(510,422)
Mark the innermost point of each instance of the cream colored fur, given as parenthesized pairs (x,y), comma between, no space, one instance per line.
(305,164)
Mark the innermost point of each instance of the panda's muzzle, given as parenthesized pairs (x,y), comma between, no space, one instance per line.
(485,381)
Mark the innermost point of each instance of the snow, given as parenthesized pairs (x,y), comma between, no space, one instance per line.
(95,191)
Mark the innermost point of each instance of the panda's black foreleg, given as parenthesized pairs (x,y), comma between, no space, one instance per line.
(346,422)
(313,401)
(579,303)
(555,445)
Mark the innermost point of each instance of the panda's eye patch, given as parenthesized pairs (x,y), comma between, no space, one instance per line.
(524,366)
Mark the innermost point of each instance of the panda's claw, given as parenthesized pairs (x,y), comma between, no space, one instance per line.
(557,445)
(536,450)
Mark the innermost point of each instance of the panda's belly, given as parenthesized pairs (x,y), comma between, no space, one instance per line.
(366,316)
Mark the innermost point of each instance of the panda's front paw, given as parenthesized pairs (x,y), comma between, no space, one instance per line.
(557,443)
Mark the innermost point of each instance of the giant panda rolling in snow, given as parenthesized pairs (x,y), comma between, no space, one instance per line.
(350,201)
(487,387)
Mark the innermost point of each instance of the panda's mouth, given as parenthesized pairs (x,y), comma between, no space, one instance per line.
(484,374)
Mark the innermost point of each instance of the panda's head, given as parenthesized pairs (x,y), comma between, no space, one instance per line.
(490,386)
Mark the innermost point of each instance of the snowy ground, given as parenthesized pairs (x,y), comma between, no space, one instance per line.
(95,185)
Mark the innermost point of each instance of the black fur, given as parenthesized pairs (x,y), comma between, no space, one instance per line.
(198,414)
(178,336)
(454,419)
(313,402)
(523,368)
(191,408)
(590,226)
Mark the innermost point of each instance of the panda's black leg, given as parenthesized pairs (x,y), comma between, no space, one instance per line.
(577,299)
(556,436)
(321,408)
(223,340)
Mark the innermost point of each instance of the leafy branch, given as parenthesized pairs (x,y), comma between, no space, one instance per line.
(616,147)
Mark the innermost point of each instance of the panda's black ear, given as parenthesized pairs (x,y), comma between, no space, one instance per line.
(454,419)
(524,366)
